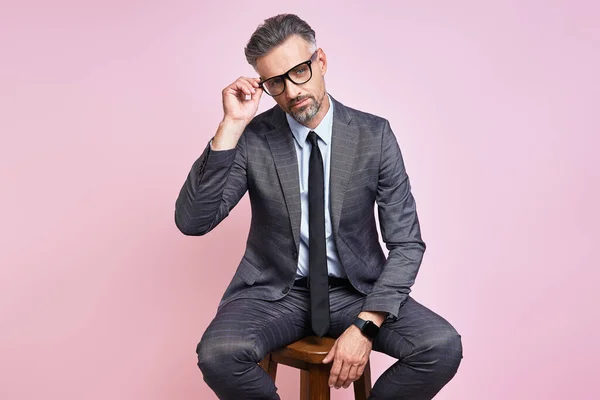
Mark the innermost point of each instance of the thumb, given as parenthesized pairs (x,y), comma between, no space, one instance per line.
(256,95)
(255,101)
(330,355)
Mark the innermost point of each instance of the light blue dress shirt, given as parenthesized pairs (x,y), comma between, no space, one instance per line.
(303,149)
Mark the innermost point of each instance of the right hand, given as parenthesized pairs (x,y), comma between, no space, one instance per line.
(235,105)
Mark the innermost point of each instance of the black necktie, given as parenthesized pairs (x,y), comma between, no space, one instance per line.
(317,254)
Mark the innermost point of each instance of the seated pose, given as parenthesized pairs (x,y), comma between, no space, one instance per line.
(313,265)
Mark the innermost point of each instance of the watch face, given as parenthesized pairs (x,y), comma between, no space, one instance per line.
(370,329)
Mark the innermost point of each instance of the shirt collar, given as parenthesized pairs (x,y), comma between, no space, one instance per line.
(300,132)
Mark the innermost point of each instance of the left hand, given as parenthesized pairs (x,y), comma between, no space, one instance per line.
(350,354)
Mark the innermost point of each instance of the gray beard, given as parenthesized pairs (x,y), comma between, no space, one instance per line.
(307,112)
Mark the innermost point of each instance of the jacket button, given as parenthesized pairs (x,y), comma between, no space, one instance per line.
(285,290)
(295,254)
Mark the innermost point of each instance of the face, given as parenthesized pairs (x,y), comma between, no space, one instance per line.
(307,103)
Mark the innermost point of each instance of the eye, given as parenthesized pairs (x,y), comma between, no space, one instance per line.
(276,82)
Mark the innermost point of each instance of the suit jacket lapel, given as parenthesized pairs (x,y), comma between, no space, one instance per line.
(281,143)
(343,147)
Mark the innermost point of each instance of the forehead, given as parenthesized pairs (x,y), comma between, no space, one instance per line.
(279,60)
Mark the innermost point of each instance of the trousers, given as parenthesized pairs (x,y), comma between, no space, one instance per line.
(427,348)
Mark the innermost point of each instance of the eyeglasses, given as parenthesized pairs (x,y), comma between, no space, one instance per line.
(299,75)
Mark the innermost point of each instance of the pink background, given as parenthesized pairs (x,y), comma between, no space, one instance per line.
(105,105)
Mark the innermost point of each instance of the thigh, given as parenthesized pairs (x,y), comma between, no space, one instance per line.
(416,326)
(254,327)
(345,304)
(417,329)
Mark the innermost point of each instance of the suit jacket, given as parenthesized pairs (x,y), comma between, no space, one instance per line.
(366,168)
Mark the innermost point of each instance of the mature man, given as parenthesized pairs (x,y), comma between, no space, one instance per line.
(313,169)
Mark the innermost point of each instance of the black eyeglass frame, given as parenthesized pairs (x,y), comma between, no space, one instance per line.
(287,75)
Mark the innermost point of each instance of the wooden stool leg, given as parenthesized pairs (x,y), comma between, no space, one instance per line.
(362,387)
(319,378)
(304,385)
(269,366)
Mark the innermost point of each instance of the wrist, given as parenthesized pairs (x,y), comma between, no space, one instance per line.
(374,316)
(367,328)
(233,125)
(228,134)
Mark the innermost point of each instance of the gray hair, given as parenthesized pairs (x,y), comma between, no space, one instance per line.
(273,32)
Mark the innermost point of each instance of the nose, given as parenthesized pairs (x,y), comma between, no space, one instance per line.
(291,90)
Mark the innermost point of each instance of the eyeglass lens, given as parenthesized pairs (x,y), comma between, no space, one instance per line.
(299,75)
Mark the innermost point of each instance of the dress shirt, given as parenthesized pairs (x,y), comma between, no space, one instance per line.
(303,149)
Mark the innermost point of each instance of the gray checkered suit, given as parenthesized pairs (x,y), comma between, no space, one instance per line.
(366,168)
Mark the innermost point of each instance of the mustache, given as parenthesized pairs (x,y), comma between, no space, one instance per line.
(299,99)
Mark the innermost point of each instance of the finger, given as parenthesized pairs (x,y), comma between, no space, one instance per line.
(343,376)
(245,87)
(256,95)
(252,81)
(352,376)
(238,91)
(330,355)
(360,370)
(335,372)
(242,86)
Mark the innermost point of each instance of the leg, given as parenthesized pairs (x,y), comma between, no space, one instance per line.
(242,333)
(362,387)
(427,347)
(318,388)
(269,366)
(304,385)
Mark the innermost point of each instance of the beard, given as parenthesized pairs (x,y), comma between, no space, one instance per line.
(306,112)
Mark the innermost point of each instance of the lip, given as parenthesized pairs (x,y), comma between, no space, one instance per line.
(301,103)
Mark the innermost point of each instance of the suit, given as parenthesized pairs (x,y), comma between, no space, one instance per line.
(367,168)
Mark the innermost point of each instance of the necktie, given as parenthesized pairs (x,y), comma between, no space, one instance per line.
(317,255)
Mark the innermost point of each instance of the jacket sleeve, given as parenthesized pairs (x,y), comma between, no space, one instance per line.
(399,229)
(215,184)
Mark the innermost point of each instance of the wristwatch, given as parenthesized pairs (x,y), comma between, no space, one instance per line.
(368,328)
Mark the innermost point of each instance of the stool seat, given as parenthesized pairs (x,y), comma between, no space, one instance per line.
(311,349)
(307,355)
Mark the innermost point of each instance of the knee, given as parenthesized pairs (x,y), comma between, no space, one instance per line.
(446,350)
(208,356)
(452,348)
(441,352)
(218,355)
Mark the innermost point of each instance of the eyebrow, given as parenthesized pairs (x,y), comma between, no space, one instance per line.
(288,70)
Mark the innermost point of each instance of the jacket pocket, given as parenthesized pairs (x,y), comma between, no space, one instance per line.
(248,272)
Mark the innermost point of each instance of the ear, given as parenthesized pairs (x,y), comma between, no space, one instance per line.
(322,60)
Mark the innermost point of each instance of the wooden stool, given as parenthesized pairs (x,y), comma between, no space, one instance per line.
(307,355)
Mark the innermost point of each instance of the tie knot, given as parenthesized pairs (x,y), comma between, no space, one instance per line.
(312,138)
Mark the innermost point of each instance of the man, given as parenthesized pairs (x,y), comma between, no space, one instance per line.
(313,169)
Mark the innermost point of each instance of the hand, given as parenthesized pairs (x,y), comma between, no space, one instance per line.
(350,353)
(235,105)
(238,111)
